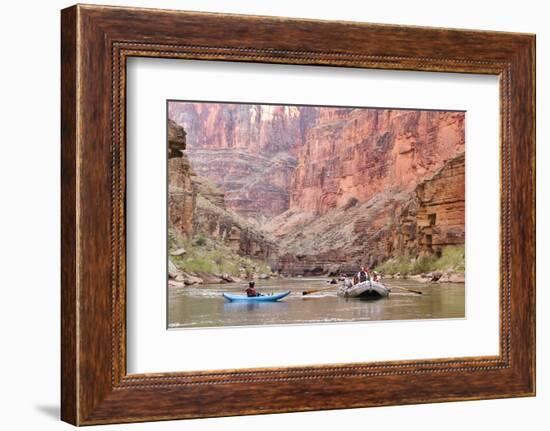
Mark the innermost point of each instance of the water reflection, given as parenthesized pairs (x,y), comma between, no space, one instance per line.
(265,307)
(204,306)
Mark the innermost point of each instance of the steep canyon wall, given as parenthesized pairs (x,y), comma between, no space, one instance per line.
(324,188)
(182,195)
(358,153)
(249,151)
(196,206)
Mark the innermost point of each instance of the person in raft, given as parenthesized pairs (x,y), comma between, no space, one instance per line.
(251,291)
(364,274)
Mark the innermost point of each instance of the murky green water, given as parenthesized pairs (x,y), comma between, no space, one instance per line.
(204,306)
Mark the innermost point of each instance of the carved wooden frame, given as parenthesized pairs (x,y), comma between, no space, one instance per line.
(95,42)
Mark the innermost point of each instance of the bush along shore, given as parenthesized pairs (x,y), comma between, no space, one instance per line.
(447,268)
(202,260)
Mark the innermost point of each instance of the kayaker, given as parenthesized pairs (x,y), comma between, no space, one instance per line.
(364,274)
(251,291)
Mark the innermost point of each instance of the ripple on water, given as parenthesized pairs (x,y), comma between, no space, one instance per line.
(204,306)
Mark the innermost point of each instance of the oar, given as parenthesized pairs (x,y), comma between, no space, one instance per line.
(307,292)
(418,292)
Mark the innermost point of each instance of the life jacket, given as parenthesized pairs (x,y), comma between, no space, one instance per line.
(363,276)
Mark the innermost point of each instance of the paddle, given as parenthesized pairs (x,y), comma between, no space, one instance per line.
(418,292)
(307,292)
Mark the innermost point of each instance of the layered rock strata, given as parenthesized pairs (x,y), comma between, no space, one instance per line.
(248,151)
(334,187)
(182,194)
(393,223)
(220,224)
(197,206)
(358,153)
(432,219)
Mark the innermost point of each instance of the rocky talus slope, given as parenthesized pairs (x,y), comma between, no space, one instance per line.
(398,221)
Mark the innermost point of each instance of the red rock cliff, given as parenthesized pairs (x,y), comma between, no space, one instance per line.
(432,219)
(196,206)
(248,151)
(334,186)
(182,193)
(358,153)
(393,223)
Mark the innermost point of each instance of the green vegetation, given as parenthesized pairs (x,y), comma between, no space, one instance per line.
(208,256)
(200,240)
(452,259)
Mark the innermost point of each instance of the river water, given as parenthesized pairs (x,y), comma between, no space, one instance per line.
(204,306)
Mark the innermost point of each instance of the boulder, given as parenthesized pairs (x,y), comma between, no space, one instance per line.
(190,280)
(436,276)
(230,279)
(209,278)
(173,271)
(178,252)
(444,278)
(174,283)
(456,277)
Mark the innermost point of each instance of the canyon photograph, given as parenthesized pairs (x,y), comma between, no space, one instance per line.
(300,214)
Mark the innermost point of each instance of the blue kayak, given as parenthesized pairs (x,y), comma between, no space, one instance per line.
(263,298)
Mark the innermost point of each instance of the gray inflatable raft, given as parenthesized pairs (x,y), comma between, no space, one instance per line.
(366,289)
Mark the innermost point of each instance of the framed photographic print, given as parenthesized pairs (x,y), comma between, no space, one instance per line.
(325,214)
